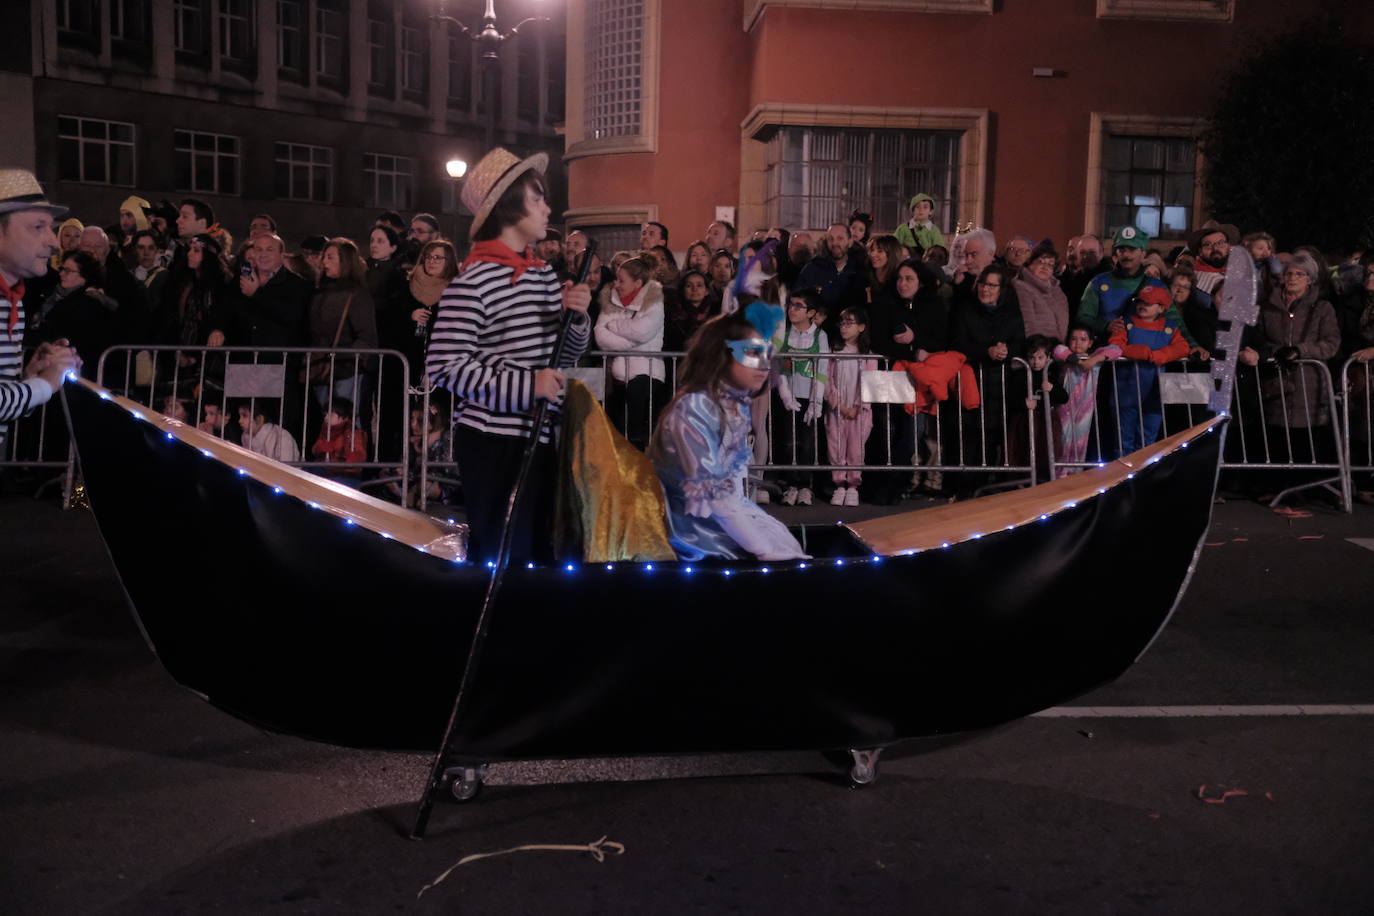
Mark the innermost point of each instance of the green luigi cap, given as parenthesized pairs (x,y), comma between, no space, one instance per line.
(1130,237)
(920,197)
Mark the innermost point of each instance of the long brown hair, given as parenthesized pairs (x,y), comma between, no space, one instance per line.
(352,270)
(709,359)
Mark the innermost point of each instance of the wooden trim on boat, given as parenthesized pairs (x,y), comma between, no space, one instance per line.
(926,529)
(408,526)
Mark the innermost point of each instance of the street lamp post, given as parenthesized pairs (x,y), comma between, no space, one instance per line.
(488,39)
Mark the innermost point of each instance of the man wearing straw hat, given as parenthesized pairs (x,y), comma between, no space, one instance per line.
(26,243)
(494,336)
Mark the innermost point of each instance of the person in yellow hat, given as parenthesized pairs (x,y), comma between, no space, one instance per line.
(492,342)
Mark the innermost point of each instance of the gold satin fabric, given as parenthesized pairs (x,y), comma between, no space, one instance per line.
(610,501)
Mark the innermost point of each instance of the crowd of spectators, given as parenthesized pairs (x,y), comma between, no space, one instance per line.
(165,274)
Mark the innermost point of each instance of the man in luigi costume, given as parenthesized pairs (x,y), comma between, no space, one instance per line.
(1106,296)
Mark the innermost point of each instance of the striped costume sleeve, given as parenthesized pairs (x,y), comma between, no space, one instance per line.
(17,397)
(491,336)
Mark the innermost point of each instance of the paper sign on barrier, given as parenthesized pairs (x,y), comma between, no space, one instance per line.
(253,380)
(879,386)
(1185,387)
(594,378)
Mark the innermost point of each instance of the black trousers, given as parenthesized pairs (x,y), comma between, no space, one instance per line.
(488,466)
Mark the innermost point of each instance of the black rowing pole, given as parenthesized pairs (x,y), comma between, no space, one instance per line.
(498,573)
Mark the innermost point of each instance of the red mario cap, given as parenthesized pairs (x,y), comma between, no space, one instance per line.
(1155,295)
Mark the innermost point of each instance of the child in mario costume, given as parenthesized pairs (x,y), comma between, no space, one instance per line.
(1148,340)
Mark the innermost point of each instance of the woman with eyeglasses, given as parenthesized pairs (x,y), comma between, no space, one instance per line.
(77,310)
(987,328)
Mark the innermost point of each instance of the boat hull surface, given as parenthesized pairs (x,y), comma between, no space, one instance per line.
(285,616)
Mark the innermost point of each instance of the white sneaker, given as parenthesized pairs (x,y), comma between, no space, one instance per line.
(804,497)
(761,497)
(838,498)
(851,496)
(789,498)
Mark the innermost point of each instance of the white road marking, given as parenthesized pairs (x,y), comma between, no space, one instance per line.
(1204,712)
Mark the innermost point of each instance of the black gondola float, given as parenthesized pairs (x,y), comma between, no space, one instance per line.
(345,610)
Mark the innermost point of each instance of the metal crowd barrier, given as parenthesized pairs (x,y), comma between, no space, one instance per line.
(1357,415)
(1316,431)
(40,441)
(292,387)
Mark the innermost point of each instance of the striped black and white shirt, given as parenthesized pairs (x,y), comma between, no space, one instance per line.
(489,339)
(16,397)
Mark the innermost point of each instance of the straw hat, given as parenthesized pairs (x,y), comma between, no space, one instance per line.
(497,171)
(19,190)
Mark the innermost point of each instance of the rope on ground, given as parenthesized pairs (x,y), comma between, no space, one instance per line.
(598,849)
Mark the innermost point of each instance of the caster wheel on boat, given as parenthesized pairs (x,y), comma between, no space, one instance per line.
(465,782)
(865,768)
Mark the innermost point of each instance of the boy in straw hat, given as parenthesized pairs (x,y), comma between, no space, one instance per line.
(493,339)
(26,242)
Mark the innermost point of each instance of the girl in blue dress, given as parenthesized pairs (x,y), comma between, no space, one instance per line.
(701,450)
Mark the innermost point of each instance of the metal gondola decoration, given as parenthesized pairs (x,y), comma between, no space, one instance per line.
(359,612)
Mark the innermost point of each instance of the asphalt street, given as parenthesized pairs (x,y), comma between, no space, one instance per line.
(123,793)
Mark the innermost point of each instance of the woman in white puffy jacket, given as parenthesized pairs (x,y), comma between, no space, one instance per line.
(633,321)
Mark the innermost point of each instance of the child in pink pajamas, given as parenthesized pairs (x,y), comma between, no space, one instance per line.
(1080,382)
(848,419)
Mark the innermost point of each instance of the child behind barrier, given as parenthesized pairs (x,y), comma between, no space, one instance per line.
(1047,392)
(799,395)
(1079,378)
(848,420)
(1148,340)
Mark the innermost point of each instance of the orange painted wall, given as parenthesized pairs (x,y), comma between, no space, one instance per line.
(714,74)
(704,90)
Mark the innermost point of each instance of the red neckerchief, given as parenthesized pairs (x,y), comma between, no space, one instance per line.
(15,295)
(1199,264)
(498,252)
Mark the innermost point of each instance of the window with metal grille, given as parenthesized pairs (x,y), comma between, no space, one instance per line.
(291,36)
(206,162)
(1148,183)
(818,175)
(304,172)
(329,40)
(614,53)
(236,32)
(388,181)
(189,26)
(94,151)
(613,237)
(414,59)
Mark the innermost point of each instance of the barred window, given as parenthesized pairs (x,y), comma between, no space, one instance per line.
(189,26)
(389,180)
(206,162)
(291,35)
(93,151)
(236,30)
(304,172)
(527,81)
(329,40)
(1149,183)
(615,46)
(818,175)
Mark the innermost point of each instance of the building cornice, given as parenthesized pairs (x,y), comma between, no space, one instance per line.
(754,9)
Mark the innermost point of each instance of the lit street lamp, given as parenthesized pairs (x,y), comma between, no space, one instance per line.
(456,168)
(488,40)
